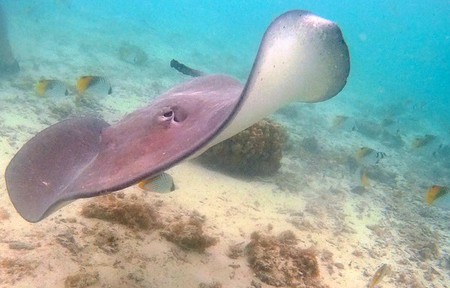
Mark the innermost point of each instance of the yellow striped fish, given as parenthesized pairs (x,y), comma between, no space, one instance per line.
(94,85)
(51,88)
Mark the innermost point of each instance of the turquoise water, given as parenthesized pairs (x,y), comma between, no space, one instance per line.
(399,50)
(400,73)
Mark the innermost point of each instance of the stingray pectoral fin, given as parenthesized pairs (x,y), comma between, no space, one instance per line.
(302,57)
(38,175)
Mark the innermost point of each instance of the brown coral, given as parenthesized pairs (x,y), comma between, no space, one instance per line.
(188,234)
(278,262)
(255,151)
(132,213)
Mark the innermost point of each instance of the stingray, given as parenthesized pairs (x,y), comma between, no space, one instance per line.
(302,57)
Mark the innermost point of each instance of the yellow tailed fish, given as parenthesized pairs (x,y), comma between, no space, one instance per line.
(161,183)
(94,85)
(436,192)
(379,275)
(50,87)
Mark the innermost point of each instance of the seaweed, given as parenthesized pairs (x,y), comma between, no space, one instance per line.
(188,234)
(277,261)
(255,151)
(287,237)
(132,213)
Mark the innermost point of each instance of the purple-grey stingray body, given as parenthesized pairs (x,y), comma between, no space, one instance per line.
(302,57)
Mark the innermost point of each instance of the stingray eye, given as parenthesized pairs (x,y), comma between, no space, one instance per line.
(166,117)
(168,114)
(172,114)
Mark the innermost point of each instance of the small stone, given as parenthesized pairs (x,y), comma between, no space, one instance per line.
(17,245)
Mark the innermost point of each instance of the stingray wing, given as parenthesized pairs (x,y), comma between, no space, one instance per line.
(38,175)
(86,157)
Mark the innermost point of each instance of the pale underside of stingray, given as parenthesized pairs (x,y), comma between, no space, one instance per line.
(302,57)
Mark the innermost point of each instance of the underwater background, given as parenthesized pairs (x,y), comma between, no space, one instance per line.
(395,104)
(399,51)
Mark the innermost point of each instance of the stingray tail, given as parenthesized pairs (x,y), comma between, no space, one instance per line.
(46,165)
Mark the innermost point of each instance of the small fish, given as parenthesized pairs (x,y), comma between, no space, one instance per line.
(94,85)
(369,156)
(420,142)
(436,192)
(50,87)
(161,183)
(379,275)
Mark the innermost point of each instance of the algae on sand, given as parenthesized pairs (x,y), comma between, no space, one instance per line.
(277,261)
(132,213)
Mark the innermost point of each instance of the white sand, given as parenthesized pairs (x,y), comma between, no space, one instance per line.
(233,209)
